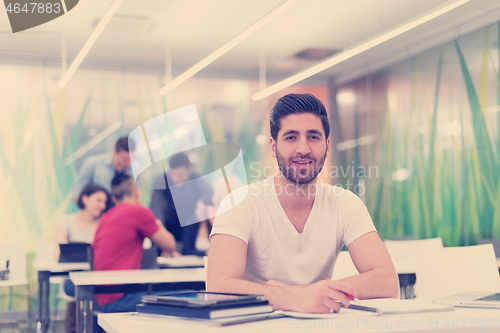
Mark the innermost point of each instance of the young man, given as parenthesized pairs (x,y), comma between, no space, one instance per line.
(283,239)
(189,197)
(118,240)
(101,169)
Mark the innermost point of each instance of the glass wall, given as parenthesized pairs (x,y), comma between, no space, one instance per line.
(428,129)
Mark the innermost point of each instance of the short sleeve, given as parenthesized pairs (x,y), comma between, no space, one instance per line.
(355,218)
(146,222)
(235,221)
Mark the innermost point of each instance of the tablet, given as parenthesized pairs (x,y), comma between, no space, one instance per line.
(202,299)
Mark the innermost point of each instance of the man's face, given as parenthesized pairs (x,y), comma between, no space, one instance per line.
(180,175)
(301,147)
(121,160)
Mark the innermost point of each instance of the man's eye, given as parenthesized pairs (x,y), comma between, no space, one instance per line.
(289,138)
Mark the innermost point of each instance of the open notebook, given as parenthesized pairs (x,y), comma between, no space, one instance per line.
(380,306)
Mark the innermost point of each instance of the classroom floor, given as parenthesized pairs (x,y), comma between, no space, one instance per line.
(56,326)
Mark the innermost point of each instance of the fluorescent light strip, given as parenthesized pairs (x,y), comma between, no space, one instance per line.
(225,48)
(95,140)
(88,44)
(351,52)
(63,3)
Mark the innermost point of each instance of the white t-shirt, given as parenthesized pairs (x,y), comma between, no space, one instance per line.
(276,251)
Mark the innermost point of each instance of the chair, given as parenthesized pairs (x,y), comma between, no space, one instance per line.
(15,253)
(403,257)
(496,245)
(447,271)
(149,255)
(344,267)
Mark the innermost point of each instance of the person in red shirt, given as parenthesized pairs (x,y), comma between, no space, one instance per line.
(118,240)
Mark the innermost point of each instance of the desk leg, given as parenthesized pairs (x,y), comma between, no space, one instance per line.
(43,301)
(84,309)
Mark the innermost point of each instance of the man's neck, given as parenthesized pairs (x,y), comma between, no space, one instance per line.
(291,194)
(128,200)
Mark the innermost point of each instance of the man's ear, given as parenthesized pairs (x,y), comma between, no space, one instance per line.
(327,147)
(272,142)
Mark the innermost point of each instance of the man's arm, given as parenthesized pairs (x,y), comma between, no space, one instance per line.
(226,265)
(164,239)
(377,278)
(61,237)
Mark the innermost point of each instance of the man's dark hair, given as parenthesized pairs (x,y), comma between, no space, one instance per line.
(121,186)
(124,144)
(90,189)
(297,104)
(179,160)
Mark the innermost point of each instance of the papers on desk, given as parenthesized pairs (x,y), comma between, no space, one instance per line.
(184,261)
(343,313)
(374,307)
(386,306)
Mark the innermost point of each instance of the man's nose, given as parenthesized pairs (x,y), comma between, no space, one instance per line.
(303,147)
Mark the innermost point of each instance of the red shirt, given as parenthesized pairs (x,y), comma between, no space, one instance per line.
(118,241)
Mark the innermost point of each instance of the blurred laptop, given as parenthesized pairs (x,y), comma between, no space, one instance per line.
(472,299)
(73,252)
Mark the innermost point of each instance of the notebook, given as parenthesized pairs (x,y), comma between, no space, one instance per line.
(386,306)
(73,252)
(472,299)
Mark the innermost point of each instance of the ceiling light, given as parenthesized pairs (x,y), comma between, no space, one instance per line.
(353,51)
(225,48)
(346,97)
(88,44)
(93,142)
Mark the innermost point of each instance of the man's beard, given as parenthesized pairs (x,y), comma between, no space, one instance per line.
(299,176)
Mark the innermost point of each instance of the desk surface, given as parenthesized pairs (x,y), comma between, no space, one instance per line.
(450,321)
(137,276)
(53,266)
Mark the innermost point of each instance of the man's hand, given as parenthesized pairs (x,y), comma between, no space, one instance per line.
(174,254)
(320,297)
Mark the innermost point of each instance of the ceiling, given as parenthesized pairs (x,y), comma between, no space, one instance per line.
(142,30)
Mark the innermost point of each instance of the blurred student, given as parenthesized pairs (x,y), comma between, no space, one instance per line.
(190,198)
(102,168)
(118,241)
(82,225)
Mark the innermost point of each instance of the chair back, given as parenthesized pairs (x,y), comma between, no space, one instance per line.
(344,267)
(90,257)
(446,271)
(494,242)
(403,251)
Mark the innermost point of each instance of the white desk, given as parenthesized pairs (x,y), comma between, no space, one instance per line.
(97,282)
(46,269)
(433,321)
